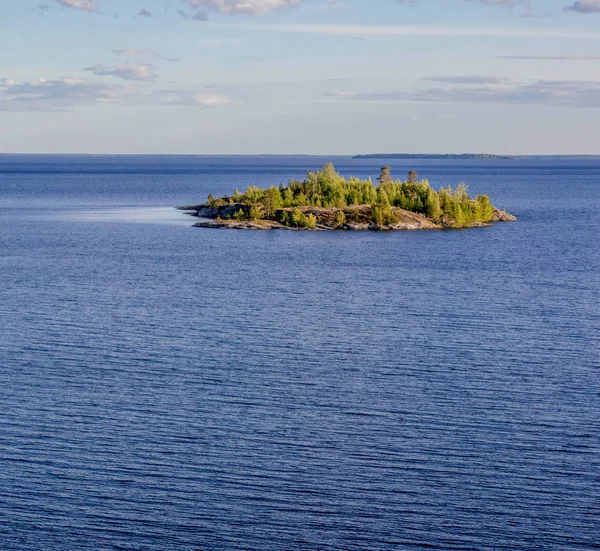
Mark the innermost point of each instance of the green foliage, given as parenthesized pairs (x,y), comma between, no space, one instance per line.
(284,218)
(340,219)
(310,221)
(382,197)
(273,201)
(328,189)
(382,214)
(288,198)
(296,217)
(239,215)
(378,215)
(255,213)
(385,177)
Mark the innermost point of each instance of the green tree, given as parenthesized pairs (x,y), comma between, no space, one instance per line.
(288,198)
(378,215)
(385,176)
(284,218)
(340,219)
(272,202)
(296,217)
(255,213)
(239,215)
(310,221)
(462,192)
(382,197)
(432,205)
(484,208)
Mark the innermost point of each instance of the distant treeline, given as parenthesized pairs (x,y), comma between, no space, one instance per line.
(327,189)
(409,156)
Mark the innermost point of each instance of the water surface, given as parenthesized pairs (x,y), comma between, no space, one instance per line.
(171,388)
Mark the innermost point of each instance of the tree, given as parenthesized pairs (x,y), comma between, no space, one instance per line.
(484,208)
(272,201)
(239,215)
(382,197)
(385,177)
(340,219)
(462,192)
(288,198)
(255,212)
(296,217)
(310,221)
(378,215)
(432,205)
(412,177)
(301,200)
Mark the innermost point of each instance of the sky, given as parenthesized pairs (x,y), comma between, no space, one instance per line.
(300,76)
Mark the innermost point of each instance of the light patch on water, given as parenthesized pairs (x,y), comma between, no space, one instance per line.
(140,215)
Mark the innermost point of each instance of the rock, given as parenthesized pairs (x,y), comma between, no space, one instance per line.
(242,225)
(359,219)
(502,216)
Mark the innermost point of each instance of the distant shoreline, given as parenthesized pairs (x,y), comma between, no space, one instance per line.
(383,156)
(452,156)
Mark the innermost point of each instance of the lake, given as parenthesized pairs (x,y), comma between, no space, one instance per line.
(165,387)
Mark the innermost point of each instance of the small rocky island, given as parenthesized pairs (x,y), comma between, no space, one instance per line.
(327,201)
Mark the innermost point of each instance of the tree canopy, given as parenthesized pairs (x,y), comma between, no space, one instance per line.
(326,188)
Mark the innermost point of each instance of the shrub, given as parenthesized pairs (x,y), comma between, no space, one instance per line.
(255,213)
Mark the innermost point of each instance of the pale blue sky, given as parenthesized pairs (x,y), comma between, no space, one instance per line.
(300,76)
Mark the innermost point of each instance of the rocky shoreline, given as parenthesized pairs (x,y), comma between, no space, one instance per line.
(357,219)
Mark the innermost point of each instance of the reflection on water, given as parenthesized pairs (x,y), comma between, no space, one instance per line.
(145,215)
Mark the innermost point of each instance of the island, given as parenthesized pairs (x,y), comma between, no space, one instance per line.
(325,200)
(434,156)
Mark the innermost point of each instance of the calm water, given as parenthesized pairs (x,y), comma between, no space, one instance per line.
(170,388)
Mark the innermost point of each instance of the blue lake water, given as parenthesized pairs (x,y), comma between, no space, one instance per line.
(170,388)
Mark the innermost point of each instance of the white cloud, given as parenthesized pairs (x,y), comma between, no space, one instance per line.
(428,30)
(201,99)
(470,80)
(68,93)
(495,2)
(138,71)
(237,7)
(551,57)
(58,94)
(143,52)
(82,5)
(557,93)
(584,6)
(219,41)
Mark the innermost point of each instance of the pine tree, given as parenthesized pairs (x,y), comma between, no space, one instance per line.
(254,212)
(385,177)
(272,202)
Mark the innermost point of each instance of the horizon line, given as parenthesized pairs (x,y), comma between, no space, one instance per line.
(348,155)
